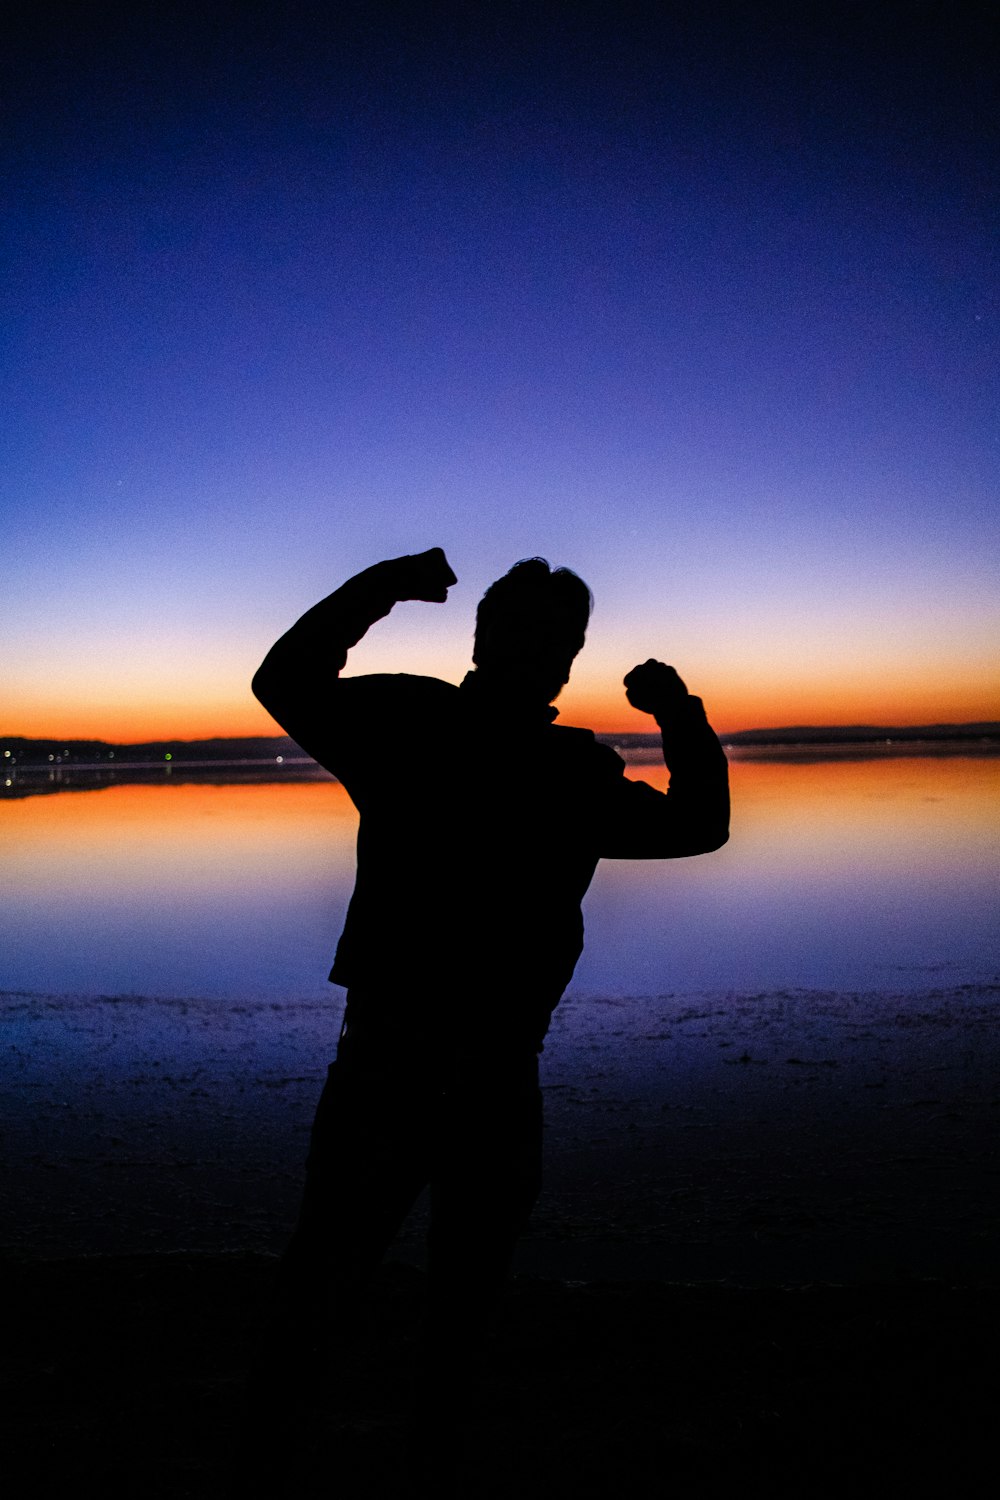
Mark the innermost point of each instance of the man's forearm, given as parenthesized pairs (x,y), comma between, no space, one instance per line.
(326,632)
(686,732)
(315,649)
(307,659)
(699,771)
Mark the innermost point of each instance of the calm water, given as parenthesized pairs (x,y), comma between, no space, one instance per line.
(860,875)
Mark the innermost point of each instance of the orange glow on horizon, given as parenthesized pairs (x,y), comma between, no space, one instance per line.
(732,706)
(134,725)
(740,709)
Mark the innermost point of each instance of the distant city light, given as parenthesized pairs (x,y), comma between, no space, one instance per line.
(279,759)
(7,752)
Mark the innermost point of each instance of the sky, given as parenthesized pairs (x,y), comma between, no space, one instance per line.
(698,300)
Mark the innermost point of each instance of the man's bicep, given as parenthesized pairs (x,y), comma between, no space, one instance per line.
(636,820)
(643,823)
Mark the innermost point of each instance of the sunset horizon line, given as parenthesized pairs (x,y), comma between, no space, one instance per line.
(986,726)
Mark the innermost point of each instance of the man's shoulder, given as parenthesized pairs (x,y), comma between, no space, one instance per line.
(370,713)
(383,702)
(584,746)
(572,734)
(399,686)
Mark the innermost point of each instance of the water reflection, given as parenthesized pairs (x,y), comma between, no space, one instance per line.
(841,874)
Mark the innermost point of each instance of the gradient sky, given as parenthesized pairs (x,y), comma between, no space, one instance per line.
(698,300)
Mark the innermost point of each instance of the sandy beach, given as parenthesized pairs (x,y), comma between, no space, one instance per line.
(768,1229)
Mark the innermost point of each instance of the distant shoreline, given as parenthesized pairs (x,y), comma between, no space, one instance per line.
(23,752)
(92,766)
(31,766)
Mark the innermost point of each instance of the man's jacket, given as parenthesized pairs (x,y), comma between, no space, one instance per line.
(478,835)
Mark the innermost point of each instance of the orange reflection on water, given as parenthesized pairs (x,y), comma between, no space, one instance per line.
(837,872)
(922,812)
(939,808)
(940,803)
(127,837)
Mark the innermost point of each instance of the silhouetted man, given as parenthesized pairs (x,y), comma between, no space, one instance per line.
(481,826)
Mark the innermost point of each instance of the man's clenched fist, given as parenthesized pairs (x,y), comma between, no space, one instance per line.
(423,575)
(654,688)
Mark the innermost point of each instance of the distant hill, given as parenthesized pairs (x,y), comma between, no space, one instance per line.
(99,752)
(21,751)
(863,734)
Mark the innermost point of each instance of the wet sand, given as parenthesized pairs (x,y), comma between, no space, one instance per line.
(765,1139)
(766,1247)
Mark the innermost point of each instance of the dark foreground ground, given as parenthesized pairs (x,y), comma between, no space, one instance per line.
(766,1252)
(124,1377)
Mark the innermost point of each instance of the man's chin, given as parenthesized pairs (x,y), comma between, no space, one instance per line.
(537,689)
(520,688)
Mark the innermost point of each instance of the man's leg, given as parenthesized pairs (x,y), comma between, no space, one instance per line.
(368,1162)
(485,1178)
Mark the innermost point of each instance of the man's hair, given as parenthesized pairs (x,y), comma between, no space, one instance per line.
(533,582)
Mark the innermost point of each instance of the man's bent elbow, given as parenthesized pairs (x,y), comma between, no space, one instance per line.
(261,685)
(706,837)
(717,827)
(270,684)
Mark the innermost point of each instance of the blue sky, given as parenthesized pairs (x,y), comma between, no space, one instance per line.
(700,301)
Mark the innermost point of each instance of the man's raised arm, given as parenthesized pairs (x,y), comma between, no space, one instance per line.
(295,680)
(693,816)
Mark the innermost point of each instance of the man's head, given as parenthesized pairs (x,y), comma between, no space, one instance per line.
(529,626)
